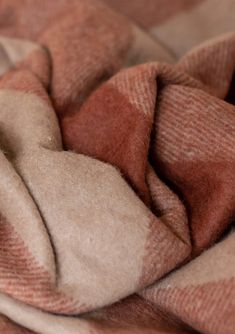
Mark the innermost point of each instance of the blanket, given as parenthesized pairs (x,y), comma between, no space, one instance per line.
(117,173)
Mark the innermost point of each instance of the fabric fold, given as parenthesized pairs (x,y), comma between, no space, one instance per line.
(117,164)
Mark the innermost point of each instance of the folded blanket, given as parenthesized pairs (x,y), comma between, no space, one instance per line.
(117,188)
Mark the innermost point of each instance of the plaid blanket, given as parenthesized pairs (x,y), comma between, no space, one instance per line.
(117,150)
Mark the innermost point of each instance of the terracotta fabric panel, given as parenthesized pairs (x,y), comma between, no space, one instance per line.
(117,165)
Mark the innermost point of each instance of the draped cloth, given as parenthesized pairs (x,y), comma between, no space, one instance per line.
(117,151)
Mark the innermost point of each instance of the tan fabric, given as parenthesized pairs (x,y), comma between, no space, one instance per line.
(117,165)
(187,29)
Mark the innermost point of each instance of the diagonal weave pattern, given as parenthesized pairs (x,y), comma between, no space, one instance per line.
(117,163)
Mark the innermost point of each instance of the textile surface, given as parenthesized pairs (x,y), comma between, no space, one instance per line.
(117,150)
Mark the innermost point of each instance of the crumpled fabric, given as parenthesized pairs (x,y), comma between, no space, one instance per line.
(117,149)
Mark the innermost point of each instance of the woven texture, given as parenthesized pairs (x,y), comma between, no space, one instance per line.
(117,165)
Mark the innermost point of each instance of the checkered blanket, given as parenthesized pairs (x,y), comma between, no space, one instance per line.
(117,167)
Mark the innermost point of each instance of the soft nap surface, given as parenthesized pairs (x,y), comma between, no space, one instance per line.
(117,167)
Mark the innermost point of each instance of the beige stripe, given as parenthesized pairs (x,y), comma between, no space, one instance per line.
(13,50)
(145,49)
(141,79)
(204,21)
(18,208)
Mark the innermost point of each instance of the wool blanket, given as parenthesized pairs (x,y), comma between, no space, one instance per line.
(117,173)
